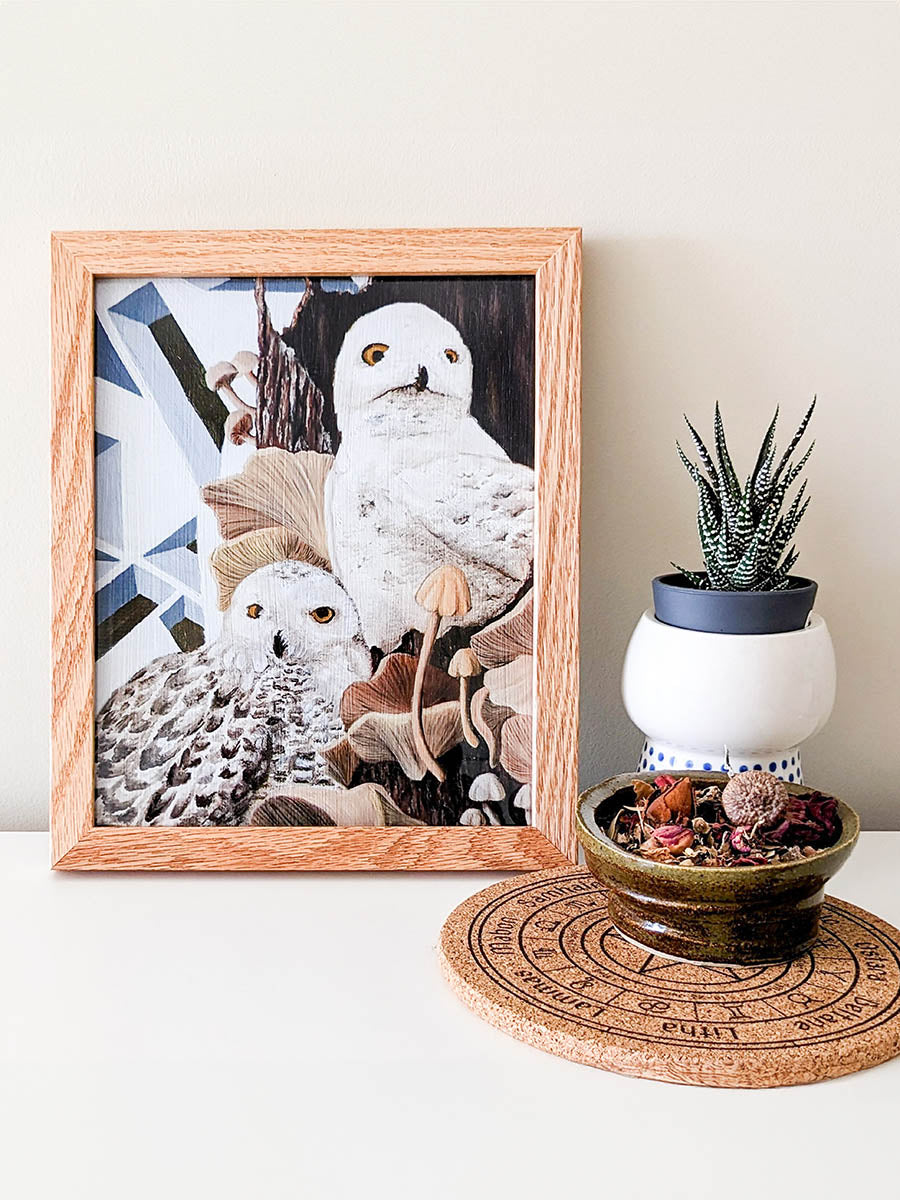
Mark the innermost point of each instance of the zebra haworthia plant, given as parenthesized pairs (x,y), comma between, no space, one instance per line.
(744,535)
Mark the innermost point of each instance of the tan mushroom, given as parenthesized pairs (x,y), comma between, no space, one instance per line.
(507,637)
(445,593)
(376,714)
(220,376)
(510,686)
(463,665)
(239,423)
(234,560)
(275,487)
(388,737)
(366,805)
(503,707)
(247,363)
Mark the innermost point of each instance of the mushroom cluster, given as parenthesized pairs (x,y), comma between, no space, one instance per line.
(221,377)
(503,708)
(417,707)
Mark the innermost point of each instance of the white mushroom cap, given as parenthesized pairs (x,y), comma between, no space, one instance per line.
(245,361)
(220,374)
(464,664)
(522,798)
(487,789)
(473,816)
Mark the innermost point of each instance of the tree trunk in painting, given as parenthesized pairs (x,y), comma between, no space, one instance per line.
(290,408)
(295,411)
(296,366)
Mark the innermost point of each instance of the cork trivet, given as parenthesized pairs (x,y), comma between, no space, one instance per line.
(538,957)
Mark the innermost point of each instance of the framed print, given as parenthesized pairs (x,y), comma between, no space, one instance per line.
(315,549)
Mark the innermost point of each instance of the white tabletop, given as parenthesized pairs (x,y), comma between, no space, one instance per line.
(261,1036)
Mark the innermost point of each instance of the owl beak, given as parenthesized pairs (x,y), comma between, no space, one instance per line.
(279,645)
(421,380)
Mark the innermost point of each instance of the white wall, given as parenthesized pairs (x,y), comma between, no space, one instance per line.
(735,169)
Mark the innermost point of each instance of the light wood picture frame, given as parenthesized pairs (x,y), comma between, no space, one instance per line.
(551,257)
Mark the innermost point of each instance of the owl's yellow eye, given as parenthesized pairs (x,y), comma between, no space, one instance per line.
(323,614)
(451,355)
(253,610)
(374,353)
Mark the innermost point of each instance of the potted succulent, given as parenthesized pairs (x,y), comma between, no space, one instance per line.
(746,538)
(731,667)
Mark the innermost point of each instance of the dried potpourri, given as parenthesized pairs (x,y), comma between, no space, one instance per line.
(750,822)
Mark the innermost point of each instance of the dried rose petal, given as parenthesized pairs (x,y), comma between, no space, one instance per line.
(739,841)
(664,781)
(674,838)
(676,801)
(642,789)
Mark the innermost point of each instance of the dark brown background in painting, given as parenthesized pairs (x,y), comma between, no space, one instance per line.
(494,314)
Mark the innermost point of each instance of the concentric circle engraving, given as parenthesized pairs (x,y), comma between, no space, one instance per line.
(539,957)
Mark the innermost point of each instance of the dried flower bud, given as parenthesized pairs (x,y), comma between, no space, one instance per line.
(676,801)
(755,798)
(674,838)
(700,826)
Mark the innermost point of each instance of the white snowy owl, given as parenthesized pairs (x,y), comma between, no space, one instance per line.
(417,483)
(195,738)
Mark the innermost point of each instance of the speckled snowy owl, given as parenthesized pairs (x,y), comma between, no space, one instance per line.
(196,738)
(417,483)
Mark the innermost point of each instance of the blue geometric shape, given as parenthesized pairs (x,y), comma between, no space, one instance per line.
(183,607)
(278,284)
(109,519)
(102,556)
(111,597)
(145,305)
(179,539)
(107,364)
(182,564)
(339,285)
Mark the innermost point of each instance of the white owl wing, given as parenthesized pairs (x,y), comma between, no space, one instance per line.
(478,506)
(174,747)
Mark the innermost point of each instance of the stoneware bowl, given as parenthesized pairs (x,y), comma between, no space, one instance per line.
(735,915)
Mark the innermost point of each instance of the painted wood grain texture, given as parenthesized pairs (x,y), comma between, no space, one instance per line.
(554,257)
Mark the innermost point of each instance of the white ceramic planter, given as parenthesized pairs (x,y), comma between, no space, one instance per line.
(759,695)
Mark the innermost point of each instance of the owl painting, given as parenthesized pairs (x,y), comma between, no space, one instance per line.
(315,510)
(417,483)
(196,738)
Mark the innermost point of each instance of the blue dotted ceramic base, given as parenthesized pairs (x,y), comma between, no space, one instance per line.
(660,757)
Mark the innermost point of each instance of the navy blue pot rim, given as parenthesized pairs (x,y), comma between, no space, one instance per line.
(708,610)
